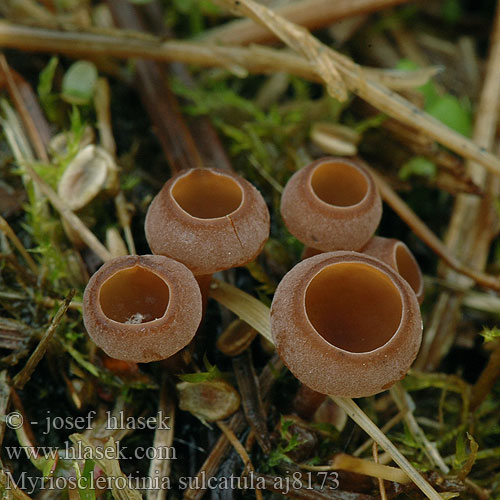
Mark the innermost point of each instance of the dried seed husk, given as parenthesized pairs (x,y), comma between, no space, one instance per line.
(336,139)
(236,338)
(115,243)
(59,143)
(91,171)
(210,400)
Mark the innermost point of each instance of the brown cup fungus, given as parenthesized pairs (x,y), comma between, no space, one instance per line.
(142,308)
(332,204)
(209,220)
(398,256)
(346,324)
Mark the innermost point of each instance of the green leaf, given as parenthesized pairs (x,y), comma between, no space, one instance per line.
(490,334)
(47,78)
(79,83)
(84,480)
(428,90)
(452,11)
(48,99)
(418,165)
(448,110)
(212,373)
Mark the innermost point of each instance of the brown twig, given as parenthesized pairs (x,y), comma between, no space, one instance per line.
(428,237)
(253,407)
(161,104)
(240,449)
(381,485)
(486,380)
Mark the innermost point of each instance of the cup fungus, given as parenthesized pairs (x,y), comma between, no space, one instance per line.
(346,324)
(398,256)
(142,308)
(332,204)
(208,219)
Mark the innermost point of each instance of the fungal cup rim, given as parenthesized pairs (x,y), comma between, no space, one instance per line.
(351,164)
(135,326)
(213,172)
(397,283)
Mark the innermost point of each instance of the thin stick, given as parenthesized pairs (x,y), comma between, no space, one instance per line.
(257,315)
(385,428)
(8,231)
(421,230)
(355,412)
(381,485)
(311,14)
(486,380)
(24,375)
(240,449)
(399,395)
(253,59)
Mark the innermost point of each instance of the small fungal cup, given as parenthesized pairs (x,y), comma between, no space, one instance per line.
(142,308)
(346,324)
(332,204)
(210,220)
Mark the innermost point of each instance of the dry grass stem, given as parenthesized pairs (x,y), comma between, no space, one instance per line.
(24,375)
(102,101)
(487,379)
(353,410)
(361,466)
(381,485)
(385,428)
(310,14)
(331,65)
(164,438)
(246,307)
(400,397)
(4,401)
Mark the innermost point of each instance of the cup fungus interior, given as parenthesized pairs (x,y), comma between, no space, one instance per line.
(353,306)
(408,267)
(339,184)
(134,296)
(207,195)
